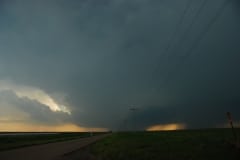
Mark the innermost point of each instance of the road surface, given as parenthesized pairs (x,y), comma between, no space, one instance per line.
(51,151)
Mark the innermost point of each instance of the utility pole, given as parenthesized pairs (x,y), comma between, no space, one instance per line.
(133,109)
(231,123)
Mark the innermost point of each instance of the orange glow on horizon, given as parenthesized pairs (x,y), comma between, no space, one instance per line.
(69,127)
(166,127)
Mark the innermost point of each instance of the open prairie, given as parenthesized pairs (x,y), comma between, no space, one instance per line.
(166,145)
(12,140)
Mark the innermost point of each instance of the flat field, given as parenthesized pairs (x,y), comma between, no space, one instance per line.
(208,144)
(17,140)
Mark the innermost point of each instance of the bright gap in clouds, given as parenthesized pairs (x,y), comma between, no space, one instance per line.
(166,127)
(34,94)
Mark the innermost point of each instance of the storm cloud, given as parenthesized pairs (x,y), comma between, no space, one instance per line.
(176,61)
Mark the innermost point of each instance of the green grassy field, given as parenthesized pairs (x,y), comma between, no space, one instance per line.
(168,145)
(16,141)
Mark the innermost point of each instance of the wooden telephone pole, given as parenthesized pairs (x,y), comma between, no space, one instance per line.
(231,123)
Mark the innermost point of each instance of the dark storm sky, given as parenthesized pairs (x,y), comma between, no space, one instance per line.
(176,61)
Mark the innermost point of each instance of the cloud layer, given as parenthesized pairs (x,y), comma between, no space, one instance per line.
(95,59)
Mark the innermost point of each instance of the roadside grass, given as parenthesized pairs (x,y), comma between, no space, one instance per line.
(16,141)
(167,145)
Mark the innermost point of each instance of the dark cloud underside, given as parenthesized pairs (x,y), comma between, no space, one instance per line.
(106,56)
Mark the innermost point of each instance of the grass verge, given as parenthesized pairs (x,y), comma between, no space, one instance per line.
(168,145)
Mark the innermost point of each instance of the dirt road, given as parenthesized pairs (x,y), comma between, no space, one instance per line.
(51,151)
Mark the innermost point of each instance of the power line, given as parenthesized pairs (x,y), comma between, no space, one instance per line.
(172,37)
(199,39)
(189,28)
(208,27)
(194,20)
(180,22)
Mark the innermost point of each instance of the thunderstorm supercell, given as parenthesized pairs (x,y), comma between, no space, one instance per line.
(101,65)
